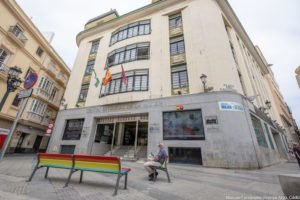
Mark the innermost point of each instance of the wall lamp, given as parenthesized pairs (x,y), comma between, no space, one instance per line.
(203,78)
(268,104)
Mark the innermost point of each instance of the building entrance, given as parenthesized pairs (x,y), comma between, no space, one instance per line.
(128,136)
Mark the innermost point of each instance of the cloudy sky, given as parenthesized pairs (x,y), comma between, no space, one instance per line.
(271,24)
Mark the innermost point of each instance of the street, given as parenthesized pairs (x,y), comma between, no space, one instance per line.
(188,182)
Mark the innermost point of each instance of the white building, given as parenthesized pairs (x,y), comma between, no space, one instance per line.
(165,47)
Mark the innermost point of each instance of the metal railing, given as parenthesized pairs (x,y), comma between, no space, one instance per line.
(3,68)
(15,30)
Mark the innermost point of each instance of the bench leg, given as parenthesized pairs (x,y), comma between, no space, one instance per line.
(169,180)
(69,178)
(125,187)
(154,174)
(46,174)
(81,175)
(117,185)
(32,174)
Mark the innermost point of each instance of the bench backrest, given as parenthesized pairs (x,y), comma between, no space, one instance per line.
(56,159)
(98,162)
(164,165)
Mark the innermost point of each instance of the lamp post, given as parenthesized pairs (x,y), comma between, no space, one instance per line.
(203,78)
(13,82)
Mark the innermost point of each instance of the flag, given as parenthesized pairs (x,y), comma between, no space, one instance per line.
(107,78)
(124,75)
(96,79)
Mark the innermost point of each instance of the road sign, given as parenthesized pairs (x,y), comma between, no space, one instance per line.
(25,94)
(49,131)
(30,80)
(50,126)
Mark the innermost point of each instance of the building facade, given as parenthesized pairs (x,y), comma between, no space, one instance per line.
(298,75)
(24,46)
(218,120)
(284,119)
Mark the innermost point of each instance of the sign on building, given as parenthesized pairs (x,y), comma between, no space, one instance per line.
(25,94)
(231,106)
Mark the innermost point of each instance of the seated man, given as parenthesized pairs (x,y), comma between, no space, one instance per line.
(158,160)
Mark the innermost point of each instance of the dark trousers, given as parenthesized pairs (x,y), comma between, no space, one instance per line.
(298,159)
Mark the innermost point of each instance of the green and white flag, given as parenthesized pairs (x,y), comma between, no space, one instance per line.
(96,79)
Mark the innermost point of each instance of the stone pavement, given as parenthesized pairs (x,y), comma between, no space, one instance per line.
(188,182)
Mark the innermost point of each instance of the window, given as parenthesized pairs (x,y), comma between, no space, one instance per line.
(39,52)
(83,93)
(89,67)
(177,46)
(73,129)
(104,133)
(129,53)
(175,21)
(37,107)
(260,136)
(53,94)
(67,149)
(45,84)
(183,125)
(4,55)
(179,77)
(16,101)
(269,136)
(17,31)
(131,30)
(136,81)
(95,46)
(29,71)
(185,155)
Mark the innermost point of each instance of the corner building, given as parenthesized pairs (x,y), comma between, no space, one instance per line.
(164,48)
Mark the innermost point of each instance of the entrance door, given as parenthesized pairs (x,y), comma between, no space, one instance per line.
(129,134)
(19,145)
(37,143)
(143,134)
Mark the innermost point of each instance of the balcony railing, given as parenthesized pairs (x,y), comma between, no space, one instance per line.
(43,93)
(18,33)
(62,78)
(3,68)
(34,117)
(52,68)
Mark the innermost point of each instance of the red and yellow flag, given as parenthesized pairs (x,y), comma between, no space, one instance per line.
(107,78)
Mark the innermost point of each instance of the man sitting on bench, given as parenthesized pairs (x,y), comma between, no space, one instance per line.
(158,160)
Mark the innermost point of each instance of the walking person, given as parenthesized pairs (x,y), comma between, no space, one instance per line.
(296,150)
(158,160)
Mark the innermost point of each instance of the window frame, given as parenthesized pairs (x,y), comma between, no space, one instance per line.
(84,87)
(113,58)
(3,63)
(95,47)
(179,71)
(39,51)
(134,29)
(131,77)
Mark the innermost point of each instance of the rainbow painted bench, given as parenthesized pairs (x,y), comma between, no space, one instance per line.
(74,163)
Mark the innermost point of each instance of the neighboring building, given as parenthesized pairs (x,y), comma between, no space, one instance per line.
(23,45)
(284,117)
(298,75)
(165,47)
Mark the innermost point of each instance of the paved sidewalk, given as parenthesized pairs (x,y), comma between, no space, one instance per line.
(188,182)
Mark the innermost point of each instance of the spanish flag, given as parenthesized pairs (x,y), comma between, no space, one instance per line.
(107,77)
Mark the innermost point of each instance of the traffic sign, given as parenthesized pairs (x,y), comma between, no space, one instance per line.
(25,94)
(30,80)
(50,126)
(48,131)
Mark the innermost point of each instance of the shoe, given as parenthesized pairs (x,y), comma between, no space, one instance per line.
(151,179)
(150,175)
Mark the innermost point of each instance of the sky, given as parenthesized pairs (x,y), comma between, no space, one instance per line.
(273,25)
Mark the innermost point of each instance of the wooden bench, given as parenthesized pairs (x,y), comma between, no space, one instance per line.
(74,163)
(164,168)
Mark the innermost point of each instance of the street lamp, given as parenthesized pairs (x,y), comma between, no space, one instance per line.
(203,78)
(13,82)
(268,104)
